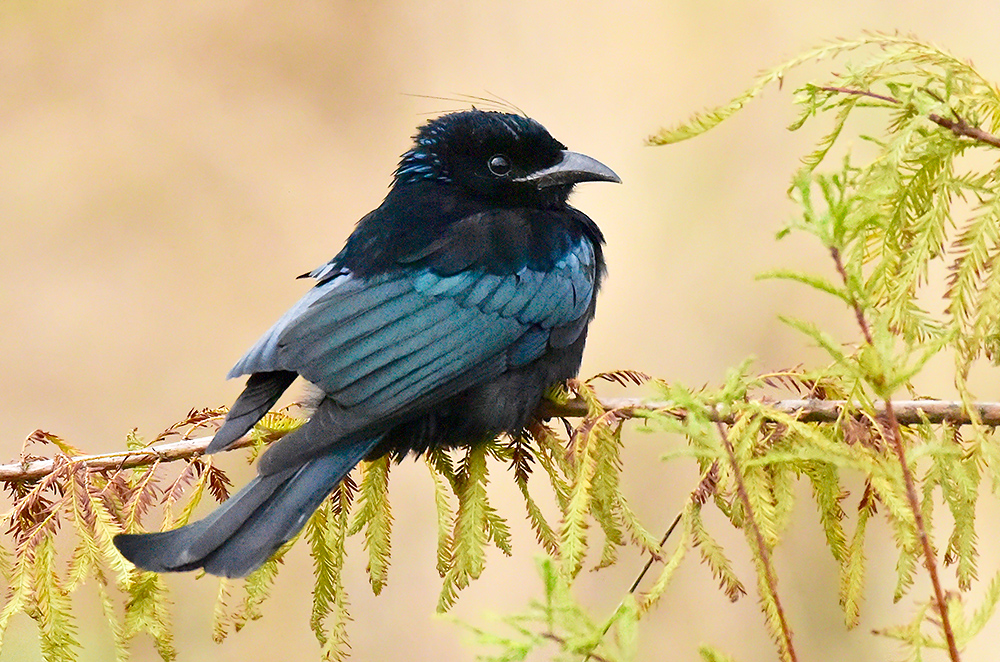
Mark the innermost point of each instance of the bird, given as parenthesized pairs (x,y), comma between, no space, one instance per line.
(450,311)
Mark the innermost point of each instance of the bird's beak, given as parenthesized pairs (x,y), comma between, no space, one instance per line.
(572,168)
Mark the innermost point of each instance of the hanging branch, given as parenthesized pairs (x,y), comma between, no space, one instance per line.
(896,442)
(769,578)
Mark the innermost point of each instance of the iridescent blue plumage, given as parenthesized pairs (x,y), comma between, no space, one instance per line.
(450,310)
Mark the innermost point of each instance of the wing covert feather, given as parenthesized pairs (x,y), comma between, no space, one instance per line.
(383,343)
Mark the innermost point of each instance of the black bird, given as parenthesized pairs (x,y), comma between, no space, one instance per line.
(448,313)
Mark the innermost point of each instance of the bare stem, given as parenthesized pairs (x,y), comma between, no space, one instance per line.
(652,558)
(859,314)
(701,494)
(551,636)
(860,93)
(918,520)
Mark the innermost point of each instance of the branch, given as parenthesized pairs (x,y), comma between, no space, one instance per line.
(963,128)
(957,126)
(907,412)
(763,553)
(896,441)
(167,452)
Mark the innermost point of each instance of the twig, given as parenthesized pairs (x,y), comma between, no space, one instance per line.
(896,441)
(963,128)
(652,558)
(859,314)
(704,490)
(551,636)
(906,412)
(762,551)
(166,452)
(706,487)
(860,93)
(958,126)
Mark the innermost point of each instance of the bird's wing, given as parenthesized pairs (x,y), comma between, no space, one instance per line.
(378,345)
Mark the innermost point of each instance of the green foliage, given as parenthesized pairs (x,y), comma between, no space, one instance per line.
(558,621)
(101,505)
(891,221)
(327,531)
(888,225)
(375,518)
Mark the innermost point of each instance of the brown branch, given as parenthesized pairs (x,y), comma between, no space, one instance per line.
(166,452)
(963,128)
(930,561)
(652,557)
(896,441)
(907,412)
(788,649)
(706,487)
(957,126)
(858,312)
(700,494)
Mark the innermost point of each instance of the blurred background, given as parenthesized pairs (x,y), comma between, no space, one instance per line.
(167,169)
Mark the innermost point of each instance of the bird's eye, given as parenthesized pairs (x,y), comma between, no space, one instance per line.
(499,165)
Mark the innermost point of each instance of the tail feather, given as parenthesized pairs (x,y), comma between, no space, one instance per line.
(278,520)
(247,529)
(262,390)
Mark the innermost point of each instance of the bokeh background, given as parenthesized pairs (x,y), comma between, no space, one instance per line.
(167,168)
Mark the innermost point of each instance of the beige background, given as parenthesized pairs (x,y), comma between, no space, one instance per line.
(167,168)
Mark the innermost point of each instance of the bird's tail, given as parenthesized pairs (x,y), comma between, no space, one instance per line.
(251,525)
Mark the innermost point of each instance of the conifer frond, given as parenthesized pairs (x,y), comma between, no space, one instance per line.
(706,120)
(147,611)
(622,377)
(49,606)
(142,494)
(327,532)
(585,453)
(470,534)
(852,568)
(709,654)
(257,588)
(198,478)
(443,475)
(714,557)
(557,619)
(95,526)
(374,516)
(220,612)
(544,532)
(659,587)
(982,615)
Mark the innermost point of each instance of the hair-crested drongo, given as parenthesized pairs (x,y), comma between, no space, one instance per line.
(451,309)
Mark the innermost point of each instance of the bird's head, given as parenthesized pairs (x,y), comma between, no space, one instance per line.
(507,158)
